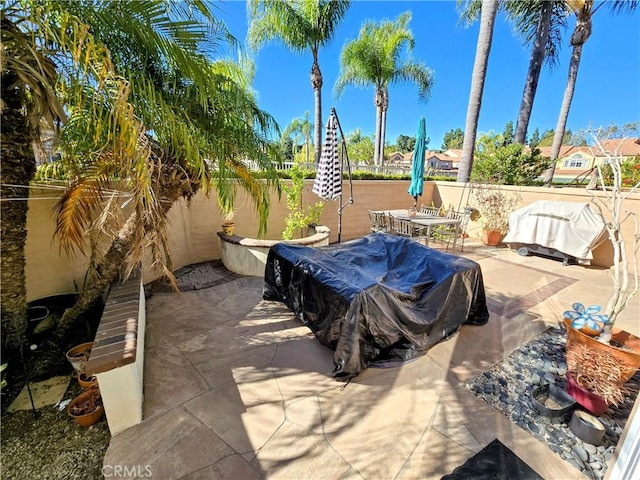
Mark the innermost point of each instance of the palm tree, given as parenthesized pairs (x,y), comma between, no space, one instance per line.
(485,36)
(374,58)
(584,11)
(300,127)
(539,23)
(302,26)
(28,82)
(176,124)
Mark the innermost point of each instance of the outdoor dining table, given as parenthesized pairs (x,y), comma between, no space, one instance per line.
(425,220)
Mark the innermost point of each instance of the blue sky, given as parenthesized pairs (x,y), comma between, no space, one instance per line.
(607,91)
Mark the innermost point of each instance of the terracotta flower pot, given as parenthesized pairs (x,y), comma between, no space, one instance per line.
(79,355)
(86,409)
(228,228)
(86,381)
(632,358)
(492,237)
(588,400)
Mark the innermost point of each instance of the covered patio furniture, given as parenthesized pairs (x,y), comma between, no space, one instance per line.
(563,230)
(377,300)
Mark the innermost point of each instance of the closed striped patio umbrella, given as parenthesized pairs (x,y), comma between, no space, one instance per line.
(328,181)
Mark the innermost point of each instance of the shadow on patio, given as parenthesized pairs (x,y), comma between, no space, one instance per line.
(237,387)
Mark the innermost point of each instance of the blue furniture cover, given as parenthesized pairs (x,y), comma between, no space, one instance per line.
(379,299)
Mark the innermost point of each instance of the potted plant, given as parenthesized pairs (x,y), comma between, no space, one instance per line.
(494,205)
(299,219)
(228,222)
(592,339)
(78,356)
(86,409)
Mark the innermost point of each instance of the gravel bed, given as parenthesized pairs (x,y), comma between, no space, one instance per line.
(52,446)
(507,387)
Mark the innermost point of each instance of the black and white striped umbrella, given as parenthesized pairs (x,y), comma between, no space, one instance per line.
(328,182)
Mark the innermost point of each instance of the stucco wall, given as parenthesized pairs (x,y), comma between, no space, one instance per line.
(193,226)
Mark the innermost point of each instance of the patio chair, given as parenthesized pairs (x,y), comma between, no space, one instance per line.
(405,228)
(449,231)
(378,222)
(433,211)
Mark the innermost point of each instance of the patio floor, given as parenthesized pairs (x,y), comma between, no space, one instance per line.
(237,388)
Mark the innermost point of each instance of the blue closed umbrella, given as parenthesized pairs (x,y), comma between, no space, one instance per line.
(417,162)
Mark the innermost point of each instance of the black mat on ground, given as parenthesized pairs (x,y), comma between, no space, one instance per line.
(507,387)
(494,462)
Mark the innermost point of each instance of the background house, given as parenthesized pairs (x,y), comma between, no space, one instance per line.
(576,162)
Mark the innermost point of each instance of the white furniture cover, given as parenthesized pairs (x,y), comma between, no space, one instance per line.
(569,227)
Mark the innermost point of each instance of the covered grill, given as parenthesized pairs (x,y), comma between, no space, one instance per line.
(563,230)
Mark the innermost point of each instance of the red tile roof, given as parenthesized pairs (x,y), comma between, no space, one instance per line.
(628,147)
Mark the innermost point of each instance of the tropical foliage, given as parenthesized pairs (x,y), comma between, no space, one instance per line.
(298,218)
(302,26)
(156,121)
(298,133)
(374,59)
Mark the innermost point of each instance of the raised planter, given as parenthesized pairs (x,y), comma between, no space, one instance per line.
(248,256)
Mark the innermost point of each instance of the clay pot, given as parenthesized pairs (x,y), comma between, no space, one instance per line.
(632,358)
(588,400)
(86,381)
(79,355)
(86,409)
(228,228)
(492,237)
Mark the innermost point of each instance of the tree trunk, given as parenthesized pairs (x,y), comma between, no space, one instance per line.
(316,84)
(16,170)
(377,100)
(485,37)
(383,125)
(581,34)
(533,75)
(564,113)
(171,187)
(108,271)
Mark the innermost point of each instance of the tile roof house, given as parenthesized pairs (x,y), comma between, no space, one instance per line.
(576,161)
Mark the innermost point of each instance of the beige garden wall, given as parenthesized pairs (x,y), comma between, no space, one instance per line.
(193,226)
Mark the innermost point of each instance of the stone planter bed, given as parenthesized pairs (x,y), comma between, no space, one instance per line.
(507,387)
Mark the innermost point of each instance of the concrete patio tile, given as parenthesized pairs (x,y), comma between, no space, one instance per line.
(362,422)
(231,467)
(195,450)
(294,452)
(169,378)
(145,443)
(245,414)
(448,423)
(435,456)
(305,413)
(221,410)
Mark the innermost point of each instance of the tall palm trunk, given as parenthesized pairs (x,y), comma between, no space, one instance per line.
(383,124)
(316,84)
(378,99)
(485,37)
(16,170)
(533,75)
(580,35)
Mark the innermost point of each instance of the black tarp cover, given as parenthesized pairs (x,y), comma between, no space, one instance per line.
(376,299)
